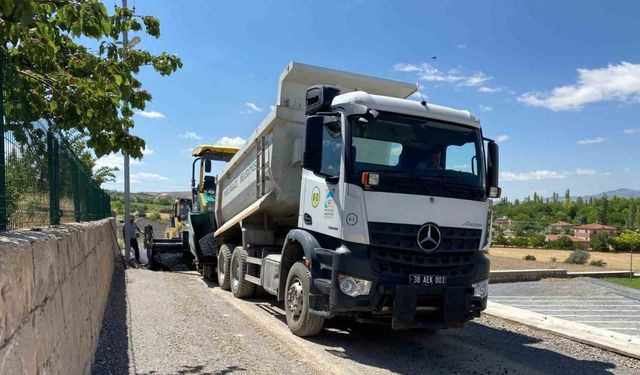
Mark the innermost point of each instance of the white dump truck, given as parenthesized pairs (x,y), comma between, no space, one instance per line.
(351,200)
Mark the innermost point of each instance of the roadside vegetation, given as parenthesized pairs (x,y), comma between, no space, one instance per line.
(154,206)
(534,214)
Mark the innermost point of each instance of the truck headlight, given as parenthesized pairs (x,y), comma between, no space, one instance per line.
(487,236)
(353,286)
(481,289)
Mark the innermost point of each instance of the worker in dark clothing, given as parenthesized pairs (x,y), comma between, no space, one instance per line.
(133,229)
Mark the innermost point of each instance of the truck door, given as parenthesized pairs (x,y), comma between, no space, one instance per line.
(320,201)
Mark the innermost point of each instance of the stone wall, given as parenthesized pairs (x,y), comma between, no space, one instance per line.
(54,284)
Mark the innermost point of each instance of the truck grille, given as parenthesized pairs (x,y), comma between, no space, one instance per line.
(401,263)
(404,237)
(395,252)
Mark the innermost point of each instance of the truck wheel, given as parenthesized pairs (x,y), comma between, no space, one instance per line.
(224,260)
(299,319)
(239,286)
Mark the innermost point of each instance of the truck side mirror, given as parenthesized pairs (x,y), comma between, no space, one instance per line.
(312,159)
(493,170)
(207,165)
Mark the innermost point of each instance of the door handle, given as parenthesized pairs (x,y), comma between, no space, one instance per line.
(307,219)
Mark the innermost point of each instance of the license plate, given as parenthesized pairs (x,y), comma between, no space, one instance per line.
(415,279)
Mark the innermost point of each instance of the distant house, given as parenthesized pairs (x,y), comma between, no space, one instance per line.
(590,231)
(561,225)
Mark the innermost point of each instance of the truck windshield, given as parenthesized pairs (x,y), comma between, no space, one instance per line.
(428,151)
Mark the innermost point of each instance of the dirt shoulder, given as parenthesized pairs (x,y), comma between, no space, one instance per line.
(511,258)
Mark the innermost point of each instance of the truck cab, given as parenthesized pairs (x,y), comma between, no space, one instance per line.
(396,192)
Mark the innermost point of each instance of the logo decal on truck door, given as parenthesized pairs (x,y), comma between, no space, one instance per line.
(315,197)
(329,204)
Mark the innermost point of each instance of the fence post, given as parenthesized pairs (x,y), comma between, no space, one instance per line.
(75,188)
(53,159)
(3,187)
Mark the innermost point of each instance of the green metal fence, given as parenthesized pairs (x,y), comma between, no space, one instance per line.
(42,180)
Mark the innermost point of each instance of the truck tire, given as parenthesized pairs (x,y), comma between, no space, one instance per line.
(239,286)
(299,319)
(224,261)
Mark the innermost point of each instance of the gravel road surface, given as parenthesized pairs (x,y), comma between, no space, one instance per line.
(175,323)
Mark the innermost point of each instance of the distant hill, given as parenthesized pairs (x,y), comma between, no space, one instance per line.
(622,193)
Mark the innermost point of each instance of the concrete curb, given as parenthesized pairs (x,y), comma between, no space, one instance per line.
(598,337)
(514,276)
(616,288)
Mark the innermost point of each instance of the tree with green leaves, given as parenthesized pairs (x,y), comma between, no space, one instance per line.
(602,210)
(49,75)
(78,145)
(632,215)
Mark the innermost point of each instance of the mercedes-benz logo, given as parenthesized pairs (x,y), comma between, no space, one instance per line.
(429,237)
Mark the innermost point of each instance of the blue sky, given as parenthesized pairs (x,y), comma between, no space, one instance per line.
(557,83)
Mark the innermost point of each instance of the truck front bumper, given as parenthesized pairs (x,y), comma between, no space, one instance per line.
(392,298)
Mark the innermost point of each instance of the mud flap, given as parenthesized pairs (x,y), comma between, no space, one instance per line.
(404,307)
(456,307)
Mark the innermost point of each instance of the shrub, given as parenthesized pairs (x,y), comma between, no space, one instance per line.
(562,243)
(519,241)
(600,243)
(598,263)
(553,260)
(500,239)
(536,240)
(529,257)
(626,241)
(155,216)
(578,257)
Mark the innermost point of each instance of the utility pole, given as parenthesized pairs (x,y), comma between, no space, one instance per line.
(127,208)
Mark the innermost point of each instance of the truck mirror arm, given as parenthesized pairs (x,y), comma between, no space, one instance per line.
(332,179)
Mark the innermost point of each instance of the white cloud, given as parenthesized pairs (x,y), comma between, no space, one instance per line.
(147,151)
(141,177)
(461,46)
(252,107)
(150,114)
(502,138)
(401,67)
(586,172)
(485,108)
(489,90)
(534,175)
(615,82)
(477,79)
(231,142)
(114,161)
(429,73)
(591,141)
(272,107)
(632,131)
(190,135)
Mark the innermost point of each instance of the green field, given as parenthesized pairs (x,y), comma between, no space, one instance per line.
(628,282)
